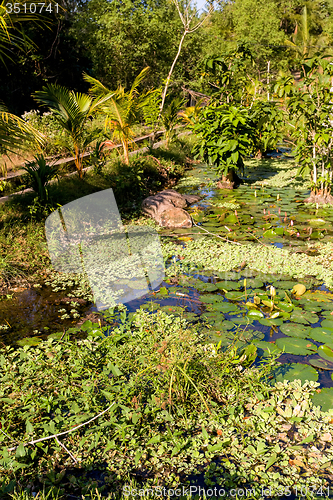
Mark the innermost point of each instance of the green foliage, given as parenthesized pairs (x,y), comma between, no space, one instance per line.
(268,119)
(226,135)
(124,400)
(16,134)
(170,118)
(40,173)
(310,107)
(72,110)
(122,109)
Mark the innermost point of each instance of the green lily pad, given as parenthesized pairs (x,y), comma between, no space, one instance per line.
(321,363)
(30,341)
(228,285)
(175,310)
(326,351)
(327,323)
(321,335)
(324,398)
(235,295)
(305,317)
(286,285)
(294,371)
(316,222)
(205,287)
(295,330)
(55,336)
(285,306)
(243,321)
(292,345)
(211,299)
(225,307)
(251,336)
(254,313)
(319,295)
(266,347)
(231,219)
(271,321)
(254,283)
(223,325)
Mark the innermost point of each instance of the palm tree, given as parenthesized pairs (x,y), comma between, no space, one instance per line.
(11,17)
(16,134)
(122,108)
(72,111)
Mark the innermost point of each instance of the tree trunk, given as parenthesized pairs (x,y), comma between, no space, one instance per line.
(169,75)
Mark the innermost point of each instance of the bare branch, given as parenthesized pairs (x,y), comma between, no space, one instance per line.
(63,433)
(69,453)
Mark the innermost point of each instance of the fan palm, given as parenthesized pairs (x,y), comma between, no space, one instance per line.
(72,110)
(122,108)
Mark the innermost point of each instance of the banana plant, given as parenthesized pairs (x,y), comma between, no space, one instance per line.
(122,109)
(72,110)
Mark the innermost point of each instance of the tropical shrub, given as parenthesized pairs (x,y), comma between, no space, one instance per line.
(39,174)
(268,119)
(122,109)
(170,117)
(310,106)
(226,134)
(72,111)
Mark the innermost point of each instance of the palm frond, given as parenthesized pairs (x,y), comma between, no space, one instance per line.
(16,134)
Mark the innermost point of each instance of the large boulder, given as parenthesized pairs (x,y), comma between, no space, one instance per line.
(167,208)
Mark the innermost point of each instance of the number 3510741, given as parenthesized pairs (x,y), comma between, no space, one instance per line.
(31,8)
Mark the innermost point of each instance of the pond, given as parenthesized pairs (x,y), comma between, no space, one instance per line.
(289,317)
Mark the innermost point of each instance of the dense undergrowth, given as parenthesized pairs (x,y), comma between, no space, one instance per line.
(169,409)
(23,250)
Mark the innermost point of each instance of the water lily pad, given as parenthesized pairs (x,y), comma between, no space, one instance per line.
(251,335)
(211,299)
(321,363)
(175,310)
(228,285)
(56,336)
(316,222)
(326,351)
(286,285)
(324,398)
(294,371)
(321,335)
(266,347)
(292,345)
(235,295)
(305,317)
(254,313)
(243,321)
(254,283)
(327,323)
(299,289)
(271,321)
(319,295)
(285,306)
(295,330)
(30,341)
(205,287)
(225,307)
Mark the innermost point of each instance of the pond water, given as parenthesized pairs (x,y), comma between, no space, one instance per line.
(258,309)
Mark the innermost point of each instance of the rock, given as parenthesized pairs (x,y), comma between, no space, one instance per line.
(175,217)
(166,207)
